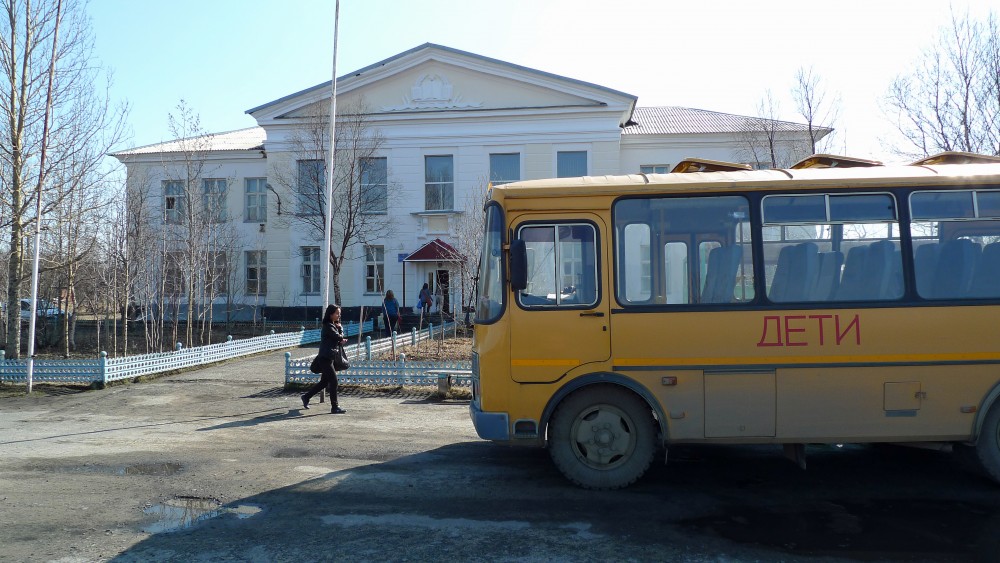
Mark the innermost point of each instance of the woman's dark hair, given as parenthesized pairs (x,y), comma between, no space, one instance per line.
(330,309)
(425,285)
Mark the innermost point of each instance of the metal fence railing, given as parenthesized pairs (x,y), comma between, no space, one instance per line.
(105,370)
(365,370)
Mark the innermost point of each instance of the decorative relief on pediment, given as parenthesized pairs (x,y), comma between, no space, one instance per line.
(432,91)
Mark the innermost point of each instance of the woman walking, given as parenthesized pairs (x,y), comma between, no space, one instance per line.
(331,339)
(390,311)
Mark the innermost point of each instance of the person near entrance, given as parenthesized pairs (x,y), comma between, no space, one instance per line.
(439,298)
(390,310)
(424,300)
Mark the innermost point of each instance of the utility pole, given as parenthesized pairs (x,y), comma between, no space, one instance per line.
(38,201)
(330,160)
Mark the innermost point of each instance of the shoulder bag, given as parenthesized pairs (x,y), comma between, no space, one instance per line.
(340,362)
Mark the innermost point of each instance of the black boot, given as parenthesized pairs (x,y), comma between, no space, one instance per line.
(305,402)
(337,410)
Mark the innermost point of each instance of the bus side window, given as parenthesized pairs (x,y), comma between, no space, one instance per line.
(561,266)
(956,243)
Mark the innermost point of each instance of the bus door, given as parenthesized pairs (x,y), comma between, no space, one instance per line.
(560,321)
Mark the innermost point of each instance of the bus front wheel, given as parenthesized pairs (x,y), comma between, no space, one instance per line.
(988,445)
(603,437)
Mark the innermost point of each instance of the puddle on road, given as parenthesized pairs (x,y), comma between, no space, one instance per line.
(882,528)
(184,512)
(291,453)
(156,469)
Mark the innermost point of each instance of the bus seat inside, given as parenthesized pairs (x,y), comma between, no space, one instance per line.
(852,280)
(795,274)
(828,275)
(955,268)
(880,268)
(925,259)
(986,280)
(720,279)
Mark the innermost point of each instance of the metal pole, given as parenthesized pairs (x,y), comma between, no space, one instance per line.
(38,202)
(328,219)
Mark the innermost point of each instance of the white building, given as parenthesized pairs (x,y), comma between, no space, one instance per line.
(450,122)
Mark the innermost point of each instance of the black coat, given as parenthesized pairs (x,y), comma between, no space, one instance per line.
(330,340)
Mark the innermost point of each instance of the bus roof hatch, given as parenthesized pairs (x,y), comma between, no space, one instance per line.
(956,157)
(833,161)
(704,165)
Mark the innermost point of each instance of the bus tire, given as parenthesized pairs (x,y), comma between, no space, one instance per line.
(603,437)
(988,444)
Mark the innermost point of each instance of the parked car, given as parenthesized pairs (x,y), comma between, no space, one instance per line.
(44,309)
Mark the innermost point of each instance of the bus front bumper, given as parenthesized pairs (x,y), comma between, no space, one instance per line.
(490,425)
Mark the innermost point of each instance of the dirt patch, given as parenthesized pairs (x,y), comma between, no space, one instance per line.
(450,349)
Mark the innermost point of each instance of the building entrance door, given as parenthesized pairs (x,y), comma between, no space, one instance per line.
(441,290)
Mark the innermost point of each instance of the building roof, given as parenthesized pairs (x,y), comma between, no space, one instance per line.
(251,138)
(676,120)
(436,250)
(662,120)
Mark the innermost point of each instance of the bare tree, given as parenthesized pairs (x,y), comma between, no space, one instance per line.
(469,240)
(361,185)
(196,231)
(813,104)
(81,129)
(765,141)
(950,100)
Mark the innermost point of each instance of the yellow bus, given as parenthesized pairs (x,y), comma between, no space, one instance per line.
(837,301)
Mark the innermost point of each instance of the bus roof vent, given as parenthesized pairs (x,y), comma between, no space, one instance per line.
(832,161)
(956,157)
(703,165)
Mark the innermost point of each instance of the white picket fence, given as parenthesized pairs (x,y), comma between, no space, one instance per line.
(365,370)
(105,370)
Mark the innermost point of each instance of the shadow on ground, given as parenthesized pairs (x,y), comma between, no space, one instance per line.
(482,501)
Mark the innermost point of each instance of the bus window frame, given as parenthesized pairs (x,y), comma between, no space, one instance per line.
(943,218)
(504,282)
(516,297)
(696,239)
(828,221)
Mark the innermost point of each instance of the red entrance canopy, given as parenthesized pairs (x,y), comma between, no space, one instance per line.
(436,250)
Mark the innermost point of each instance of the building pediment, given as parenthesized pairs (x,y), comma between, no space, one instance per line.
(433,78)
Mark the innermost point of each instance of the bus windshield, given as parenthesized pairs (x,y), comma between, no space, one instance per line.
(490,295)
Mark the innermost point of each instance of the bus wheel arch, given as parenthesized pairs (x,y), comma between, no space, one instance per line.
(603,436)
(988,443)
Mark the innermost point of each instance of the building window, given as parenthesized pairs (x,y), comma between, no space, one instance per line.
(374,268)
(255,200)
(214,198)
(374,185)
(173,274)
(311,182)
(654,169)
(505,168)
(256,272)
(439,183)
(217,276)
(173,201)
(310,270)
(570,164)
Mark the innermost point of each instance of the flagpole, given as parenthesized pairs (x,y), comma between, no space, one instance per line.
(330,160)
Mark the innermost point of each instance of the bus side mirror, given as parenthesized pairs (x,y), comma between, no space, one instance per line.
(518,265)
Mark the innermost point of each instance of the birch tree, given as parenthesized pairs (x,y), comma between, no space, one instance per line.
(81,129)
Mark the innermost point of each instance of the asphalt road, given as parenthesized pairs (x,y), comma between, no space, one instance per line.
(220,464)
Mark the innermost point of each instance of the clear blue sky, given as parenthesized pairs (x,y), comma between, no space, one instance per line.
(226,56)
